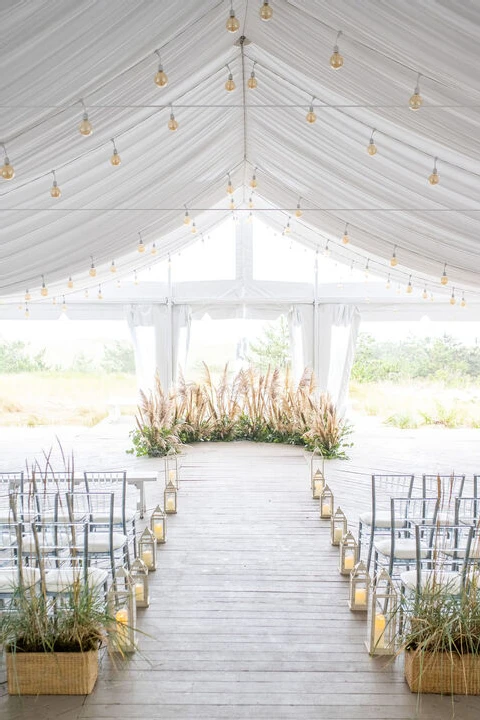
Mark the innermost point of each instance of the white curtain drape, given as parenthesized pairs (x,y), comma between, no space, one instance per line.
(140,323)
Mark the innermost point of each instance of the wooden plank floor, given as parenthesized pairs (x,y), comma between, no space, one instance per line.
(249,616)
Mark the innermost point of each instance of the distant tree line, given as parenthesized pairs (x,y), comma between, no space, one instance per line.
(17,357)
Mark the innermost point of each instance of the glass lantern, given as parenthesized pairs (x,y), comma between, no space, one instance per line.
(326,503)
(122,607)
(170,498)
(359,587)
(382,616)
(139,573)
(147,549)
(348,554)
(158,525)
(317,473)
(171,469)
(338,526)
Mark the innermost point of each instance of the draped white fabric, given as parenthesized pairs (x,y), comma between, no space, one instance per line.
(53,53)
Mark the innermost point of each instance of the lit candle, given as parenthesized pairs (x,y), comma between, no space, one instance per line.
(122,640)
(158,530)
(171,474)
(139,595)
(348,562)
(318,485)
(122,616)
(337,534)
(378,631)
(326,510)
(170,504)
(147,557)
(360,596)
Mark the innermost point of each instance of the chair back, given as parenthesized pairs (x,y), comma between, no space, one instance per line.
(384,487)
(467,510)
(442,556)
(445,487)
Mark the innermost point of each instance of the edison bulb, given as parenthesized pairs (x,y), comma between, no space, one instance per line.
(252,82)
(43,291)
(298,212)
(100,296)
(372,148)
(345,238)
(28,296)
(232,204)
(229,188)
(250,203)
(172,123)
(8,172)
(55,191)
(253,182)
(64,307)
(93,271)
(85,126)
(194,228)
(409,288)
(311,117)
(463,303)
(266,11)
(154,249)
(27,313)
(336,60)
(393,261)
(434,178)
(453,300)
(70,283)
(186,219)
(444,278)
(232,23)
(425,295)
(115,159)
(415,101)
(388,285)
(141,247)
(113,267)
(161,78)
(230,84)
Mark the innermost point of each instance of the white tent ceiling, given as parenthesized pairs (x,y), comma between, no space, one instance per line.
(52,54)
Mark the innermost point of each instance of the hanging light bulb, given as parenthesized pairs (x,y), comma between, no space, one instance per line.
(85,294)
(85,126)
(453,299)
(140,246)
(54,301)
(186,219)
(27,295)
(161,78)
(27,312)
(64,305)
(298,211)
(232,23)
(252,80)
(70,283)
(113,267)
(93,270)
(232,204)
(367,269)
(230,83)
(444,278)
(431,297)
(287,229)
(135,277)
(250,202)
(119,284)
(398,289)
(55,191)
(425,293)
(250,217)
(154,248)
(193,228)
(388,284)
(7,170)
(372,148)
(393,259)
(99,294)
(229,185)
(266,11)
(463,302)
(310,116)
(43,289)
(253,181)
(172,123)
(326,249)
(345,238)
(115,159)
(416,99)
(336,60)
(434,178)
(409,286)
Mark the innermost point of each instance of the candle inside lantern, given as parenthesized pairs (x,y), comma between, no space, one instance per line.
(139,594)
(318,487)
(121,616)
(348,562)
(337,535)
(147,557)
(158,530)
(171,474)
(170,506)
(360,596)
(326,510)
(378,630)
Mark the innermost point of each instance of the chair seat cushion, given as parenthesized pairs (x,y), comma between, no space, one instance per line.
(100,541)
(62,579)
(405,549)
(382,520)
(448,580)
(9,578)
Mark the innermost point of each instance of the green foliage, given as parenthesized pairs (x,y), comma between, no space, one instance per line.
(83,364)
(403,420)
(118,358)
(442,358)
(273,349)
(16,357)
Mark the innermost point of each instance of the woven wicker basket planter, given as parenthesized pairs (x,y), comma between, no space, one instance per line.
(46,673)
(443,673)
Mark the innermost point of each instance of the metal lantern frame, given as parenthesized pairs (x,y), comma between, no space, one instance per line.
(382,616)
(326,503)
(147,549)
(359,588)
(158,525)
(171,469)
(170,499)
(317,473)
(338,526)
(123,609)
(139,573)
(348,557)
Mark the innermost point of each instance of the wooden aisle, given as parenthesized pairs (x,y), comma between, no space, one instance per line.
(249,617)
